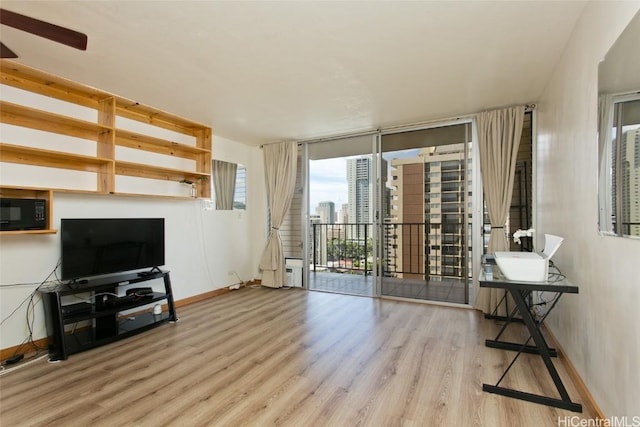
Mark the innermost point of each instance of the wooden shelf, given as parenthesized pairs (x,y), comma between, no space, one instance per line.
(157,172)
(16,232)
(103,131)
(19,115)
(24,192)
(152,116)
(53,159)
(33,80)
(138,141)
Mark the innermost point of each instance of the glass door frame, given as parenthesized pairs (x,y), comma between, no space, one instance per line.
(476,210)
(476,199)
(306,214)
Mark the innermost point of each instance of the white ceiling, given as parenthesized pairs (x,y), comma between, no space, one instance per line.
(260,72)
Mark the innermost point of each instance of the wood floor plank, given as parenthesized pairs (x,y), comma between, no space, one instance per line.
(259,357)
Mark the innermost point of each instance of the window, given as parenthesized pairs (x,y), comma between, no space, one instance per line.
(618,136)
(620,166)
(229,185)
(240,196)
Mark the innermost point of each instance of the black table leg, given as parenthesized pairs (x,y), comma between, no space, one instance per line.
(542,348)
(506,345)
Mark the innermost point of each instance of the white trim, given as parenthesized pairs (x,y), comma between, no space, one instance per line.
(305,216)
(377,222)
(477,214)
(625,97)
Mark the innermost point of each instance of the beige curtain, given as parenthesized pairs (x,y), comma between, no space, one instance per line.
(224,183)
(499,133)
(280,173)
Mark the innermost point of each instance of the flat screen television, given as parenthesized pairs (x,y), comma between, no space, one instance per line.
(98,246)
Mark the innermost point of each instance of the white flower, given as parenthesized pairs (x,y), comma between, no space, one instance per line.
(522,233)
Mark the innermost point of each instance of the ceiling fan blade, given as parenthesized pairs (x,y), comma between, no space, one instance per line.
(44,29)
(5,52)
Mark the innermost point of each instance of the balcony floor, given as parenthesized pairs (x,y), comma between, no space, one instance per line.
(445,290)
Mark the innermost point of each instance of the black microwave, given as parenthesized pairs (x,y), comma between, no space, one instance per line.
(23,214)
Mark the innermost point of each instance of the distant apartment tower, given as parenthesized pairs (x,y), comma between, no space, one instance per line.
(428,203)
(343,215)
(327,212)
(360,188)
(631,183)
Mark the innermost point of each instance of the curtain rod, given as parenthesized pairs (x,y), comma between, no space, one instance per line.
(329,138)
(342,136)
(527,108)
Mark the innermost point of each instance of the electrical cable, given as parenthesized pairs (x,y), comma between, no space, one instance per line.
(557,275)
(90,301)
(15,310)
(31,307)
(537,309)
(15,285)
(30,311)
(4,371)
(31,304)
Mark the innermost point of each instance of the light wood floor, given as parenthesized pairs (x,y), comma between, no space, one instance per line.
(259,357)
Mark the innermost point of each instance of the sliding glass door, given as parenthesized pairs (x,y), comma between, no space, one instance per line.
(390,214)
(340,227)
(426,216)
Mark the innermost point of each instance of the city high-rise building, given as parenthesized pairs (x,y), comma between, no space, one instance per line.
(360,189)
(428,206)
(343,215)
(631,183)
(327,212)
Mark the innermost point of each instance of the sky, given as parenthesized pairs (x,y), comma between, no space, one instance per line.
(328,179)
(328,182)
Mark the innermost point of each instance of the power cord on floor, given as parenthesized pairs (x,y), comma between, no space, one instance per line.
(242,283)
(4,370)
(32,300)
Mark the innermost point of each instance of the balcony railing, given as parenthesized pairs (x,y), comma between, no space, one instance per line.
(409,250)
(345,248)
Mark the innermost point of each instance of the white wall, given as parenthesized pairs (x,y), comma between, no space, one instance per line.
(598,328)
(254,218)
(202,247)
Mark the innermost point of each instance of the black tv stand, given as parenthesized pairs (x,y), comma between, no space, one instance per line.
(73,327)
(152,271)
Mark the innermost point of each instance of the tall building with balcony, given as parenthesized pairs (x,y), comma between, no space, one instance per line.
(428,199)
(360,189)
(631,182)
(360,195)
